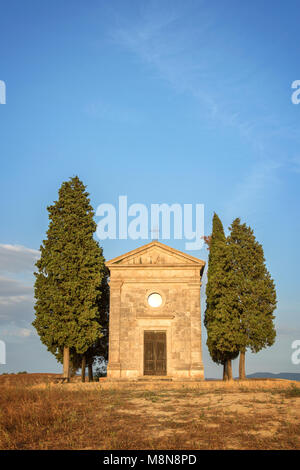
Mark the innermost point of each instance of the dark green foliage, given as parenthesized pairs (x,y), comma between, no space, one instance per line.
(255,295)
(241,296)
(221,318)
(71,277)
(292,392)
(97,352)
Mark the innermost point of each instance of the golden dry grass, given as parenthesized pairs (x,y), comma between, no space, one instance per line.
(35,413)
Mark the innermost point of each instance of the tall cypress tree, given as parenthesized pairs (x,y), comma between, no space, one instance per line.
(99,350)
(220,315)
(70,273)
(255,294)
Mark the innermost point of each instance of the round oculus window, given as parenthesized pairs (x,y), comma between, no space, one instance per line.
(155,300)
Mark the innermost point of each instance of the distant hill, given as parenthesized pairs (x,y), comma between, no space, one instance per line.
(269,375)
(281,375)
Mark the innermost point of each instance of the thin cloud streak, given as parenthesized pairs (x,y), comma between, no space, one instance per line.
(17,258)
(189,61)
(16,295)
(169,49)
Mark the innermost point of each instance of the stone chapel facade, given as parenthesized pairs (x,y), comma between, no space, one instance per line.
(155,317)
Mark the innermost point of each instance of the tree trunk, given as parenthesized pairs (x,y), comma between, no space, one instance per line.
(225,376)
(83,366)
(90,369)
(242,373)
(229,369)
(66,364)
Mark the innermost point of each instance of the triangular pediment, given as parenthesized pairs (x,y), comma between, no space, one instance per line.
(155,253)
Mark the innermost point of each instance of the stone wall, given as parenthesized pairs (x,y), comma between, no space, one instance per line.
(178,282)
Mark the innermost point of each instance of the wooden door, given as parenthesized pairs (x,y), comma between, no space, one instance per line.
(155,353)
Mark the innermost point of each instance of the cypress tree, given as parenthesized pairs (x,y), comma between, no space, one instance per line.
(99,350)
(255,294)
(220,315)
(70,273)
(214,242)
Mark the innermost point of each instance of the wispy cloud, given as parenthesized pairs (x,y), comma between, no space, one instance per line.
(295,164)
(12,287)
(13,331)
(16,284)
(17,258)
(98,109)
(193,59)
(16,301)
(286,330)
(160,41)
(252,188)
(188,58)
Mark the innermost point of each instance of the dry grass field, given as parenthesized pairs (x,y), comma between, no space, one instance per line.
(35,413)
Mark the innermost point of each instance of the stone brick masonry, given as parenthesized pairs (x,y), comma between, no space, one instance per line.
(176,276)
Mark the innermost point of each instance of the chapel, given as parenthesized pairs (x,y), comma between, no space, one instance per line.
(155,315)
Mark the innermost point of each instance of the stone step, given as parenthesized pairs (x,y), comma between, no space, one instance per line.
(155,378)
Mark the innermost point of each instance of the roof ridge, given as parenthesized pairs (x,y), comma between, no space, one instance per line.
(142,248)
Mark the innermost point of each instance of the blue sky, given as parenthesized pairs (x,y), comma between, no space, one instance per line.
(162,101)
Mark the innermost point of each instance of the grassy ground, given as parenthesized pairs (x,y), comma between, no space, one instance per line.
(253,414)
